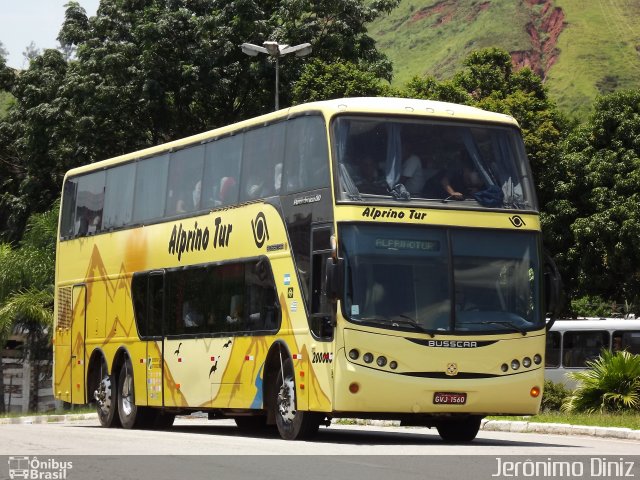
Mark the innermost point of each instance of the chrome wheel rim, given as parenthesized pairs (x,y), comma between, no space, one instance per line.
(287,400)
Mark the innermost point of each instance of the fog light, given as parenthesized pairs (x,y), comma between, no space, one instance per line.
(393,365)
(537,359)
(526,362)
(381,361)
(354,354)
(367,357)
(504,367)
(354,387)
(535,392)
(515,364)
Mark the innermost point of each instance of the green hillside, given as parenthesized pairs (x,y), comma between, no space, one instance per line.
(580,47)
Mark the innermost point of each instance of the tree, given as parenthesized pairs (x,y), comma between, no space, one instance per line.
(595,216)
(4,53)
(611,383)
(30,52)
(150,71)
(324,81)
(26,292)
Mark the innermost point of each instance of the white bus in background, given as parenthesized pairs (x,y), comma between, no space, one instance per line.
(572,343)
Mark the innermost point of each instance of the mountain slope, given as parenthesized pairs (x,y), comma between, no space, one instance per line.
(580,47)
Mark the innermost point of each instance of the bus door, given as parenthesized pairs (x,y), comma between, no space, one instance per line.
(78,360)
(155,344)
(322,317)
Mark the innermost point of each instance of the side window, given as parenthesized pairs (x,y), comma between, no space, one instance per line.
(626,340)
(228,298)
(68,208)
(118,203)
(147,293)
(139,298)
(185,180)
(261,297)
(581,347)
(221,179)
(262,162)
(552,350)
(89,204)
(151,183)
(306,155)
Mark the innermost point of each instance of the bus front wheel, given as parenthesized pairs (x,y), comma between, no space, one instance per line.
(292,423)
(458,431)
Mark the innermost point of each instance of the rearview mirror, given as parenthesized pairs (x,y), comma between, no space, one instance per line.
(334,283)
(552,290)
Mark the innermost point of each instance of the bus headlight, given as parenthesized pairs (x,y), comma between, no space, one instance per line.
(354,354)
(515,364)
(367,357)
(537,359)
(526,362)
(381,361)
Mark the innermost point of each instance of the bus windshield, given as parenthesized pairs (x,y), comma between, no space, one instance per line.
(441,280)
(475,165)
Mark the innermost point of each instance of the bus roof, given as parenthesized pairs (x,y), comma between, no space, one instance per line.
(356,105)
(595,323)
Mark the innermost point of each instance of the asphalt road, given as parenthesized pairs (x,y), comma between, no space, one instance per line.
(197,448)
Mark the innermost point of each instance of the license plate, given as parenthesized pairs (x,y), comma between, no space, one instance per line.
(447,398)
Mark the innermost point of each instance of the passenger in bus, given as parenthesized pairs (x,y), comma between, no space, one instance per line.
(190,315)
(368,178)
(228,191)
(192,203)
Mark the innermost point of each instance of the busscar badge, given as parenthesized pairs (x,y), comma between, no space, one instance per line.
(452,369)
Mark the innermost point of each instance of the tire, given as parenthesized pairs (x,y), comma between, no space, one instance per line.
(107,400)
(459,431)
(292,424)
(130,415)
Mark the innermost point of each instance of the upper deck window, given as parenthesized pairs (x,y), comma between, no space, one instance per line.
(469,164)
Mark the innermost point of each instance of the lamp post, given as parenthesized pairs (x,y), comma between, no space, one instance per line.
(276,50)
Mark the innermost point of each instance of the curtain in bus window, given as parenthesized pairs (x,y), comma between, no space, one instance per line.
(306,155)
(89,204)
(151,184)
(262,162)
(118,203)
(184,188)
(394,154)
(221,180)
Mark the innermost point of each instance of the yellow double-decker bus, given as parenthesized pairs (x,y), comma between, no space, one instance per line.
(363,257)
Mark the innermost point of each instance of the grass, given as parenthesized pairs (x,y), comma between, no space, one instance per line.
(623,420)
(599,49)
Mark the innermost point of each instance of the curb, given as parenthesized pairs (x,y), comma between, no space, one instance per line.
(560,429)
(67,418)
(487,425)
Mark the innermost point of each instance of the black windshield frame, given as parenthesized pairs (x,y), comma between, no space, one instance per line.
(441,280)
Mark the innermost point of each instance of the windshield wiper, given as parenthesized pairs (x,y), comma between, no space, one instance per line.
(387,322)
(496,322)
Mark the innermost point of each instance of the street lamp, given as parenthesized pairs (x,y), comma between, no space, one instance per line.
(276,50)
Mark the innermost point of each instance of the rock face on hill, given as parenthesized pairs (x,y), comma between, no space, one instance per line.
(546,25)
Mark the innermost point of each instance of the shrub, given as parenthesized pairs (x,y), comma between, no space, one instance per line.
(611,383)
(554,395)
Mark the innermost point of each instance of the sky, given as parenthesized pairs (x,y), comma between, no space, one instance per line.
(24,21)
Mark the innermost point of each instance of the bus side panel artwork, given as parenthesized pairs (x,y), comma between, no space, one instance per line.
(78,358)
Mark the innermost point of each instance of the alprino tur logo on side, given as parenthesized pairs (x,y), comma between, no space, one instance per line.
(34,468)
(260,231)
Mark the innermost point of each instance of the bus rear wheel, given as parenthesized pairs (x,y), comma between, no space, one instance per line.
(292,423)
(106,401)
(130,415)
(459,431)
